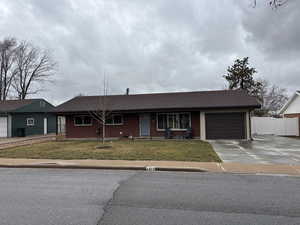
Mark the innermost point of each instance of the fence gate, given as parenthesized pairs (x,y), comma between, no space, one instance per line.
(276,126)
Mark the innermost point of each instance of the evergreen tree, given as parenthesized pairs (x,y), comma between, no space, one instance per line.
(240,76)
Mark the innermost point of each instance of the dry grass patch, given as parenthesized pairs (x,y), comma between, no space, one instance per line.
(171,150)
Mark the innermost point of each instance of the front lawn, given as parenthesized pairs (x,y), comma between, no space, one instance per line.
(176,150)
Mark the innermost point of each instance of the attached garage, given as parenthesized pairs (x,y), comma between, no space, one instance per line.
(3,126)
(225,125)
(26,117)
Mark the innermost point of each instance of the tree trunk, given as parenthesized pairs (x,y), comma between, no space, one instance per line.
(103,132)
(103,126)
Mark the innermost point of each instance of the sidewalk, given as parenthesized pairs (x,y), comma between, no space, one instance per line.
(281,169)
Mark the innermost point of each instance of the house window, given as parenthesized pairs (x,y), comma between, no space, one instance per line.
(175,121)
(30,121)
(82,121)
(115,119)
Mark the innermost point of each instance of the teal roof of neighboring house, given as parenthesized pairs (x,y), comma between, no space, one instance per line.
(26,105)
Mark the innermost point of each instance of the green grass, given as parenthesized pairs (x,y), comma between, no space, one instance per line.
(193,150)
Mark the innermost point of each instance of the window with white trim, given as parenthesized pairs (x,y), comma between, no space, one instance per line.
(114,119)
(175,121)
(30,121)
(83,121)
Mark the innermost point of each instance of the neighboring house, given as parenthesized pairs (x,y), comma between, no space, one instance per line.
(26,117)
(210,114)
(292,107)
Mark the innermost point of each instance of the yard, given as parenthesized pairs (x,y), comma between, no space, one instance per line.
(171,150)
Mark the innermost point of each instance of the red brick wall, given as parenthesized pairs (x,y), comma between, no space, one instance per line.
(130,127)
(292,115)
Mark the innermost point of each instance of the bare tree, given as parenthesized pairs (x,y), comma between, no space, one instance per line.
(102,111)
(32,65)
(273,3)
(272,98)
(7,50)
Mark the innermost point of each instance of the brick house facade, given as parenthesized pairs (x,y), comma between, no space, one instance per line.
(130,127)
(209,115)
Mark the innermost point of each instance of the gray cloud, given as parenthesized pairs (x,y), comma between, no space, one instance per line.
(274,37)
(155,46)
(275,32)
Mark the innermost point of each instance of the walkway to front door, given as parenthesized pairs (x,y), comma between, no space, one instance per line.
(20,141)
(144,125)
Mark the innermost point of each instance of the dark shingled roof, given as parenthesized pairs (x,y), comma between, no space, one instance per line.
(11,105)
(162,101)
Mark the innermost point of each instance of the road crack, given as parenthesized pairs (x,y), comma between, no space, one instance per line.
(109,202)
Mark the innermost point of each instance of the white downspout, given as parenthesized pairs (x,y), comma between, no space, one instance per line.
(202,126)
(248,130)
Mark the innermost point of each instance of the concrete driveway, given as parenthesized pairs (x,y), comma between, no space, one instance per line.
(265,149)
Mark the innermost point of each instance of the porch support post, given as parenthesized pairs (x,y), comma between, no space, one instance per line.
(9,125)
(248,126)
(202,126)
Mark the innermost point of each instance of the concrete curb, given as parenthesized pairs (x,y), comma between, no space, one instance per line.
(172,166)
(141,168)
(181,169)
(73,167)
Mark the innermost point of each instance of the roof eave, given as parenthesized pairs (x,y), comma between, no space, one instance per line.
(148,109)
(286,105)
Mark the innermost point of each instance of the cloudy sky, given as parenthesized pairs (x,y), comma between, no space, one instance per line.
(157,45)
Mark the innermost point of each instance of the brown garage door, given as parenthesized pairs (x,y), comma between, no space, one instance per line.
(225,125)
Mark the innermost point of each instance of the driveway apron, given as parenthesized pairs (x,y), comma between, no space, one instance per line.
(265,149)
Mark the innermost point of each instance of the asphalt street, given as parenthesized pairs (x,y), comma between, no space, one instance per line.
(55,196)
(83,197)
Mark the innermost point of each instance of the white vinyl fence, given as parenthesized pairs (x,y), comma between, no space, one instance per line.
(276,126)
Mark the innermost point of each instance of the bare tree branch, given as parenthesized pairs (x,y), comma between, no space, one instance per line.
(32,66)
(7,49)
(103,110)
(274,4)
(272,98)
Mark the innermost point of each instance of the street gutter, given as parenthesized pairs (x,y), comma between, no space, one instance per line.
(174,166)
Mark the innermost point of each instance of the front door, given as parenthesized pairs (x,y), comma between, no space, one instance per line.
(144,125)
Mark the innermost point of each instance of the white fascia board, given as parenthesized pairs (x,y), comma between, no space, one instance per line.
(286,105)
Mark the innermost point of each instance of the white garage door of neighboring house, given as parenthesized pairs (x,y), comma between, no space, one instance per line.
(3,126)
